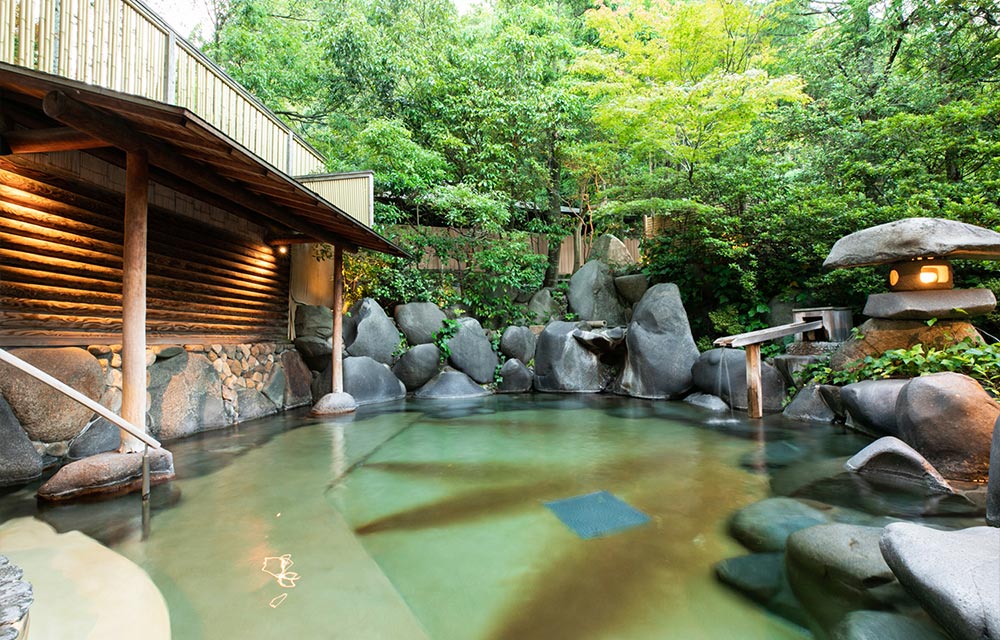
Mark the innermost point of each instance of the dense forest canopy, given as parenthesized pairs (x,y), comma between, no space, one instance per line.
(760,131)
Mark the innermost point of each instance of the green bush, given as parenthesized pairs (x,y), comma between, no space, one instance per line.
(978,361)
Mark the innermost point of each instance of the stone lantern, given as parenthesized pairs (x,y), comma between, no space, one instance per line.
(921,282)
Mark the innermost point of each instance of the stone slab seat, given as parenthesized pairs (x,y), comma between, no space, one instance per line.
(106,474)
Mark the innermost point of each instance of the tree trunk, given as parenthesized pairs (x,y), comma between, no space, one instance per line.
(554,212)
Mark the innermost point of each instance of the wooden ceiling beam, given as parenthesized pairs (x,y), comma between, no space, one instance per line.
(53,139)
(111,129)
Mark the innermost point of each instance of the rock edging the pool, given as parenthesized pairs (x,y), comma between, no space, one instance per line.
(82,589)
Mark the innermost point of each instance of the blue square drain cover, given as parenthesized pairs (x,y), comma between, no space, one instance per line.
(596,514)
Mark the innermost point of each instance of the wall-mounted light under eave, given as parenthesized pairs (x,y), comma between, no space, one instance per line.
(921,274)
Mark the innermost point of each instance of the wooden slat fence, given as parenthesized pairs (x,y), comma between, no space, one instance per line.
(122,45)
(539,244)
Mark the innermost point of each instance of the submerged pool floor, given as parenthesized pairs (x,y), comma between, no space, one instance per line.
(429,520)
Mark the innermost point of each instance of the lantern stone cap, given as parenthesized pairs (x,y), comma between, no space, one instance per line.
(914,238)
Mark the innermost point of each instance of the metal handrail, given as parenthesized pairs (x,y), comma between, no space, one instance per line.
(73,394)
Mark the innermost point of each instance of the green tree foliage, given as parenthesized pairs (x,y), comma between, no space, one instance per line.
(756,132)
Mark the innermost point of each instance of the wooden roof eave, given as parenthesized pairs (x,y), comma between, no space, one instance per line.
(108,115)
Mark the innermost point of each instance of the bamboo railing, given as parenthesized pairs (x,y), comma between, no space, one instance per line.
(124,46)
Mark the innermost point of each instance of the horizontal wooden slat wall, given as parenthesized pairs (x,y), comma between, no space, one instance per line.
(61,262)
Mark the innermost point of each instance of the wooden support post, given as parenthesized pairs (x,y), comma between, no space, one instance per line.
(134,296)
(755,390)
(338,319)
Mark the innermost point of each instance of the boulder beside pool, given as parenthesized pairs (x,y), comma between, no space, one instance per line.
(891,461)
(955,575)
(106,474)
(450,384)
(515,377)
(871,406)
(723,373)
(81,588)
(563,365)
(949,419)
(661,350)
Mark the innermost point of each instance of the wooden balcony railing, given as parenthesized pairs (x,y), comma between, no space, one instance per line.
(122,45)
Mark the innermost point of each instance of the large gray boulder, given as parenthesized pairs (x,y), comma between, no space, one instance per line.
(790,367)
(949,419)
(298,379)
(891,461)
(471,351)
(368,331)
(543,307)
(612,252)
(106,473)
(604,341)
(450,384)
(19,461)
(417,366)
(838,568)
(871,406)
(44,413)
(316,352)
(632,287)
(914,238)
(883,625)
(808,405)
(876,336)
(369,381)
(186,396)
(592,294)
(519,343)
(707,401)
(723,373)
(993,489)
(954,575)
(419,321)
(99,437)
(661,350)
(253,404)
(564,365)
(313,321)
(515,377)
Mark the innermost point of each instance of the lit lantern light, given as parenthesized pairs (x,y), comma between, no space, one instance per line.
(283,249)
(921,274)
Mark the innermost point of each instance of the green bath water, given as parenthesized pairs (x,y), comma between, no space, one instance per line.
(427,520)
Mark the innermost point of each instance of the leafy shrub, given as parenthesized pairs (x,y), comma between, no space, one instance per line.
(441,337)
(978,361)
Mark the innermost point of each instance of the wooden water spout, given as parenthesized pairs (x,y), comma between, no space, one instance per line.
(752,341)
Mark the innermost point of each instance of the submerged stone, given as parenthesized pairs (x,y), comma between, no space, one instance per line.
(838,568)
(707,401)
(766,525)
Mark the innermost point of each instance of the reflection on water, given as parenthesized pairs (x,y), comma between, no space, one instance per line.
(447,498)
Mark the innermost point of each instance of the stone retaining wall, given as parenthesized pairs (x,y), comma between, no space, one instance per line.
(190,388)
